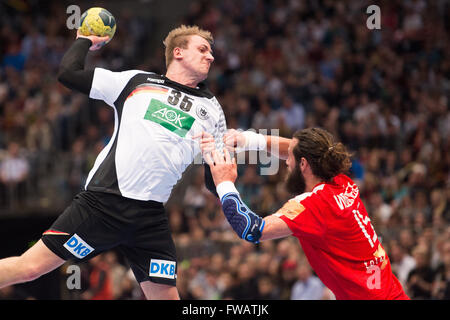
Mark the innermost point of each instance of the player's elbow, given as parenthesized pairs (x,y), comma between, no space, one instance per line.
(274,228)
(78,80)
(63,76)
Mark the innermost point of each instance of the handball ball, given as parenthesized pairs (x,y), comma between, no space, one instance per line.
(98,22)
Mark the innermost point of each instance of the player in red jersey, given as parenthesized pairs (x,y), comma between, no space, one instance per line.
(328,217)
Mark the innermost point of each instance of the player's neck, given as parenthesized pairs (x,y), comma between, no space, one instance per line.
(311,183)
(182,76)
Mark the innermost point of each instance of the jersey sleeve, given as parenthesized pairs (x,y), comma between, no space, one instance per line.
(304,219)
(71,71)
(108,85)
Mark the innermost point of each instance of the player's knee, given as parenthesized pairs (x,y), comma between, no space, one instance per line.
(156,291)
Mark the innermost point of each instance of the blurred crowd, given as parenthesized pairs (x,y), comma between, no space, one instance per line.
(279,64)
(50,135)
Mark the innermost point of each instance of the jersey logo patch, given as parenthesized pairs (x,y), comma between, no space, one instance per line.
(381,255)
(291,209)
(175,120)
(348,197)
(162,269)
(78,247)
(202,113)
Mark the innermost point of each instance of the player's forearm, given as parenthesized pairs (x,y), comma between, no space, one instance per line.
(278,146)
(71,71)
(247,225)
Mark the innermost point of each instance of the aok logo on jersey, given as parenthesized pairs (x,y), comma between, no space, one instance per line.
(175,120)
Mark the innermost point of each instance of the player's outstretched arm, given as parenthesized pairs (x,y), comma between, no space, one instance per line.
(247,224)
(71,70)
(238,141)
(278,146)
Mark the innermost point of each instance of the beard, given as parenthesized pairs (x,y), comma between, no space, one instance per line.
(295,181)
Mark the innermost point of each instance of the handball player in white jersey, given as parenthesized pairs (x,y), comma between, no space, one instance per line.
(158,119)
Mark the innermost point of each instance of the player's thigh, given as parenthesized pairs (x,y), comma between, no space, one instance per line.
(82,231)
(40,259)
(157,291)
(151,251)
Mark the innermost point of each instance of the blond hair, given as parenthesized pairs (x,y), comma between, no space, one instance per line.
(179,38)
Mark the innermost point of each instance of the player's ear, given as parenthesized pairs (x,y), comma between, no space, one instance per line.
(177,53)
(303,164)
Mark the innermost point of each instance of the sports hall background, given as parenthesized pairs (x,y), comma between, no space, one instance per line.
(282,64)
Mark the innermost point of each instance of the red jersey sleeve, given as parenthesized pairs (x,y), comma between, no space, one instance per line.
(304,217)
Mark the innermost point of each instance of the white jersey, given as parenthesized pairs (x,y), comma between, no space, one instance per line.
(155,120)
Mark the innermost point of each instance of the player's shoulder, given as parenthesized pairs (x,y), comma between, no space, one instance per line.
(315,193)
(202,86)
(346,193)
(296,205)
(117,75)
(343,184)
(323,193)
(324,199)
(150,76)
(342,178)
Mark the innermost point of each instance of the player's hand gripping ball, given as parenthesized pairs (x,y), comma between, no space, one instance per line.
(98,22)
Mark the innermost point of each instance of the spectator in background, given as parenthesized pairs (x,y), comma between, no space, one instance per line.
(78,168)
(39,144)
(308,286)
(226,284)
(288,271)
(244,113)
(117,273)
(177,219)
(267,289)
(440,207)
(249,184)
(265,117)
(441,284)
(13,56)
(402,262)
(129,288)
(293,113)
(420,279)
(196,193)
(14,170)
(125,289)
(407,240)
(100,282)
(247,284)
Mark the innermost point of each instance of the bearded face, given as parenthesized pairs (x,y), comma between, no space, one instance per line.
(295,181)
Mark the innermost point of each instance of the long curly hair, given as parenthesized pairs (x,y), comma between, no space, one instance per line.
(326,157)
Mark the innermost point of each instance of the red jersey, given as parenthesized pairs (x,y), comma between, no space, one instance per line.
(340,243)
